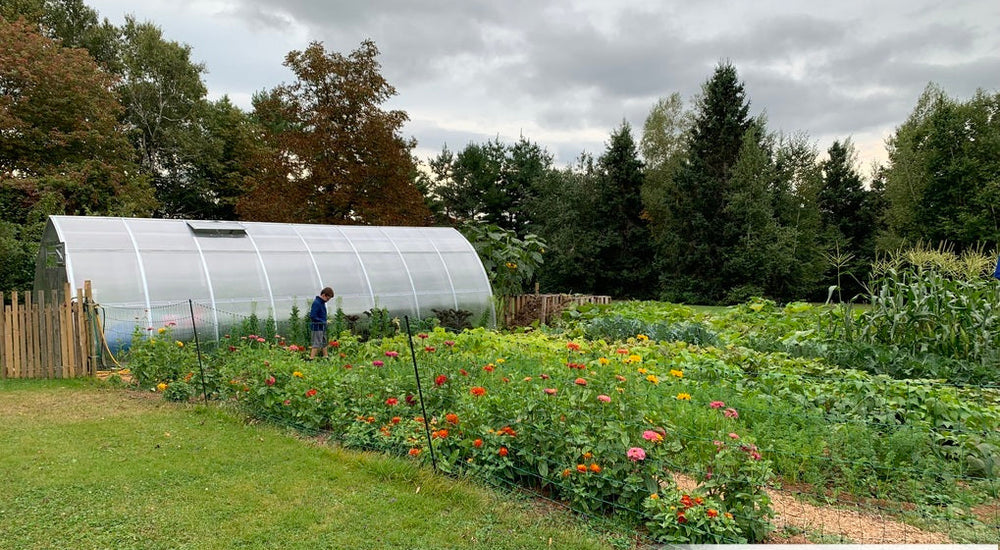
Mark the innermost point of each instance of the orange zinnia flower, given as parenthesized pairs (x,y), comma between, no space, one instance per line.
(478,391)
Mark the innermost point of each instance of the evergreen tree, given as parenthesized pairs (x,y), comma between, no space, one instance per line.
(847,217)
(623,247)
(695,237)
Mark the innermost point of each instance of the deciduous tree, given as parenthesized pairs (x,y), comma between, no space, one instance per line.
(335,155)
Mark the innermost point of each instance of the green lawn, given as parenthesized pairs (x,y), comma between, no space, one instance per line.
(87,466)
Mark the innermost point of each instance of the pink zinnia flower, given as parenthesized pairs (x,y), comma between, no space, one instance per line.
(604,398)
(717,404)
(449,343)
(580,382)
(550,391)
(733,436)
(650,435)
(635,454)
(731,413)
(377,363)
(392,353)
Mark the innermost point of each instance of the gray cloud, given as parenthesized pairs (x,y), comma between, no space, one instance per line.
(566,74)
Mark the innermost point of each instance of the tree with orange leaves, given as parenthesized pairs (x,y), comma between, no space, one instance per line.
(333,155)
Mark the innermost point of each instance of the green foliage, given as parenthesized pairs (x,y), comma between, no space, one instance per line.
(941,182)
(156,360)
(455,320)
(491,183)
(935,302)
(510,262)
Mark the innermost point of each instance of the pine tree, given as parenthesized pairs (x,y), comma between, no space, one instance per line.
(623,256)
(697,235)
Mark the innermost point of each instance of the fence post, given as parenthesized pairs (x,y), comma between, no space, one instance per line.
(3,339)
(18,346)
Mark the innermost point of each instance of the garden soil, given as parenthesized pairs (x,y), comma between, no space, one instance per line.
(853,526)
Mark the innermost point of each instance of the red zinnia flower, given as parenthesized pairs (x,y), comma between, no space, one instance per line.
(422,335)
(502,451)
(463,372)
(392,401)
(477,443)
(269,380)
(311,392)
(414,452)
(581,382)
(451,418)
(712,512)
(440,380)
(478,391)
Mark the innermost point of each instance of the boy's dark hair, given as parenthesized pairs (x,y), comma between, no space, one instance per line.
(327,291)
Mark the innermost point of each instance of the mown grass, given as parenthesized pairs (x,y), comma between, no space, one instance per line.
(86,466)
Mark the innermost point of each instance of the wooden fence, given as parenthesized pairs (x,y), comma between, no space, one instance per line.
(47,336)
(523,309)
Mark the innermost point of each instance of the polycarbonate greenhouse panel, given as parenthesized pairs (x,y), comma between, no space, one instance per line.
(143,272)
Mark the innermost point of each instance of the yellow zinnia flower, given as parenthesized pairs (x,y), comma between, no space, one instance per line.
(677,373)
(652,378)
(684,396)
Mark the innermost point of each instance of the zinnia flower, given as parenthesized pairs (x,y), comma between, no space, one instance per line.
(377,363)
(440,380)
(488,367)
(449,343)
(582,468)
(604,398)
(478,391)
(717,404)
(652,378)
(269,380)
(502,451)
(477,443)
(392,353)
(392,401)
(422,336)
(414,452)
(733,436)
(430,349)
(603,360)
(550,391)
(595,468)
(311,392)
(451,418)
(161,386)
(677,373)
(650,435)
(711,512)
(635,454)
(580,382)
(573,346)
(641,337)
(684,396)
(731,413)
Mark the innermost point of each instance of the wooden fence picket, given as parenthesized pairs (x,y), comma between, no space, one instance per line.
(43,336)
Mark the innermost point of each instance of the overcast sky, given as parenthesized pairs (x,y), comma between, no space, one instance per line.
(565,74)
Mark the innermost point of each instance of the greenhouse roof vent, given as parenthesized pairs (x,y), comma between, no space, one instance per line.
(210,228)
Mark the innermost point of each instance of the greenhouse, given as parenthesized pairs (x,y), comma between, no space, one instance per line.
(150,273)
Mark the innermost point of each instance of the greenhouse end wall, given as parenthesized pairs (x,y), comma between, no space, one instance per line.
(144,271)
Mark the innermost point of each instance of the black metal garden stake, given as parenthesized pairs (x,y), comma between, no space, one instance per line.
(420,392)
(197,347)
